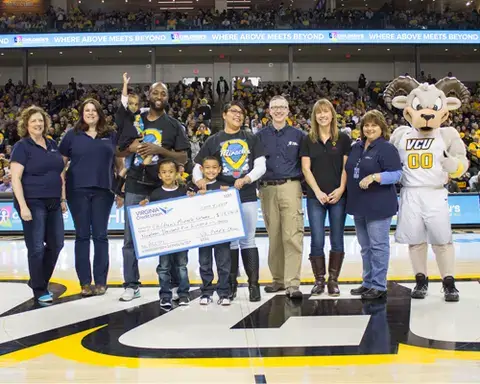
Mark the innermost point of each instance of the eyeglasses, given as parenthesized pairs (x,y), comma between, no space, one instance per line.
(236,112)
(278,107)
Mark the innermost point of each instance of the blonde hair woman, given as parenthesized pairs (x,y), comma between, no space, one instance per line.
(324,153)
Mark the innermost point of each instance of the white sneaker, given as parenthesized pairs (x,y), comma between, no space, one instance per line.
(129,294)
(224,301)
(175,294)
(205,300)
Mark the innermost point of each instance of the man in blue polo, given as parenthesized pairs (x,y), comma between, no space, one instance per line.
(281,198)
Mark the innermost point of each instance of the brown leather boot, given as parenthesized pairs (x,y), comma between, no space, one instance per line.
(318,268)
(334,268)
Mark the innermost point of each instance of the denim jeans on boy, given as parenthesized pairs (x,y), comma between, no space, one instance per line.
(131,274)
(223,261)
(374,239)
(44,236)
(179,261)
(250,215)
(316,217)
(90,209)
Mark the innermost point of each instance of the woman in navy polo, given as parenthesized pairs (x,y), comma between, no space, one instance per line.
(90,148)
(36,167)
(373,168)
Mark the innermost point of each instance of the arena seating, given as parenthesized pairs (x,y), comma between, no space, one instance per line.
(86,20)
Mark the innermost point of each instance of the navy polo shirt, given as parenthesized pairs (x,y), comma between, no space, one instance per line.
(282,151)
(378,201)
(91,160)
(42,171)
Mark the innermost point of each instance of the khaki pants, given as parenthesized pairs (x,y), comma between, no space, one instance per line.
(283,216)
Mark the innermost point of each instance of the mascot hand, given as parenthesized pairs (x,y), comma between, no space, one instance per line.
(449,163)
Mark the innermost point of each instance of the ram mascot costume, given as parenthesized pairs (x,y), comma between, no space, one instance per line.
(431,155)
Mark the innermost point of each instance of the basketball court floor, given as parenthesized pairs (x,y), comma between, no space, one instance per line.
(318,339)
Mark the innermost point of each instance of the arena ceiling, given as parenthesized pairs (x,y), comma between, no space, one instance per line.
(237,54)
(195,5)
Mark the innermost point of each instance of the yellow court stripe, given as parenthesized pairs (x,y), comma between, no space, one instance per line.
(73,288)
(472,276)
(70,348)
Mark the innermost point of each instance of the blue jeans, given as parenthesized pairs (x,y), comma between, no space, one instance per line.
(374,239)
(131,274)
(90,209)
(44,236)
(250,214)
(317,214)
(223,261)
(178,261)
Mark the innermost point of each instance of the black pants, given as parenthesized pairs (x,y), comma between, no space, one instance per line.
(90,209)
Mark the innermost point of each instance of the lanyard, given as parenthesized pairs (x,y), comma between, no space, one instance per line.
(356,170)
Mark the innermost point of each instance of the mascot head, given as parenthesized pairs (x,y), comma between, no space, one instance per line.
(426,106)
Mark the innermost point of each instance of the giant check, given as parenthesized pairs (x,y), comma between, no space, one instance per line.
(183,223)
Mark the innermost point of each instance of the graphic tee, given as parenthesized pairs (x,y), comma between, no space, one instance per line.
(236,153)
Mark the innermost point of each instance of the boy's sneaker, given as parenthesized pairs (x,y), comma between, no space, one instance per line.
(223,301)
(184,301)
(175,294)
(129,294)
(166,303)
(205,300)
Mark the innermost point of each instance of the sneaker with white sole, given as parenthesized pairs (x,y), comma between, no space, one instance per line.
(175,296)
(166,303)
(184,301)
(205,300)
(224,301)
(129,294)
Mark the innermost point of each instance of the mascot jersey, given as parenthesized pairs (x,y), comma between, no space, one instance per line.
(236,153)
(420,154)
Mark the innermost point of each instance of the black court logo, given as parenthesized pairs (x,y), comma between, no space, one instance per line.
(388,327)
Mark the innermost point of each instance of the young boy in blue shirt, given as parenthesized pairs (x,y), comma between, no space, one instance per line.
(211,168)
(168,172)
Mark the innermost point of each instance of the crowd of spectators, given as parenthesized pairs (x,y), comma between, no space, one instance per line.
(283,17)
(192,104)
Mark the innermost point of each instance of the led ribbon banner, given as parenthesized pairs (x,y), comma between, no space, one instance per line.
(239,37)
(464,210)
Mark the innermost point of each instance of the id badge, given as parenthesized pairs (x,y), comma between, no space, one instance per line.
(356,173)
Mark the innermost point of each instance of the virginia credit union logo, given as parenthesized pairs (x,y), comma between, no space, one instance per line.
(175,36)
(18,40)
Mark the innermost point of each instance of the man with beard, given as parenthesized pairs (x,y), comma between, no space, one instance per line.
(151,138)
(281,197)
